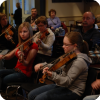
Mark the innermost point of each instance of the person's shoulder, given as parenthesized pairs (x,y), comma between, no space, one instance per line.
(95,31)
(28,17)
(82,57)
(56,17)
(48,17)
(34,46)
(50,31)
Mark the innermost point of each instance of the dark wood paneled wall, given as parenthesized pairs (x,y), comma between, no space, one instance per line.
(40,6)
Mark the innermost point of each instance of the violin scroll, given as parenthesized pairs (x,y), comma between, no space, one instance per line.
(42,80)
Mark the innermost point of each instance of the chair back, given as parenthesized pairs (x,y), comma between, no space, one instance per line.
(64,27)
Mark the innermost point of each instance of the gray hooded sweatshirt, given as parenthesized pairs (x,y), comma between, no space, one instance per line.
(75,78)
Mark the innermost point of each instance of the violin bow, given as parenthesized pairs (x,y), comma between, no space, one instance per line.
(21,44)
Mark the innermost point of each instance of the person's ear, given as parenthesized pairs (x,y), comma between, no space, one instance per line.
(93,21)
(75,46)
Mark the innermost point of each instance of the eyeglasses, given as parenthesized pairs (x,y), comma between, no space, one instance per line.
(67,45)
(40,25)
(87,18)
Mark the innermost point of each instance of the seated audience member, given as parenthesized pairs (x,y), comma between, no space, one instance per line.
(96,86)
(44,38)
(53,22)
(88,31)
(23,68)
(8,37)
(32,18)
(72,76)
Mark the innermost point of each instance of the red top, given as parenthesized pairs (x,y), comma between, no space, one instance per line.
(27,70)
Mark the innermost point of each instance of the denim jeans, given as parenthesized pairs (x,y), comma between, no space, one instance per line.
(3,52)
(91,97)
(10,75)
(52,92)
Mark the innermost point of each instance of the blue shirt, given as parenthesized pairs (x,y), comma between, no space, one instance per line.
(55,22)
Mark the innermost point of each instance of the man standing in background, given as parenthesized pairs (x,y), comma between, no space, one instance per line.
(18,15)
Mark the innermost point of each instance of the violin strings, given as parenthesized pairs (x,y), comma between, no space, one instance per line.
(6,30)
(57,60)
(54,61)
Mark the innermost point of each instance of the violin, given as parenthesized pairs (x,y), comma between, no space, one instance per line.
(62,60)
(7,32)
(44,34)
(25,48)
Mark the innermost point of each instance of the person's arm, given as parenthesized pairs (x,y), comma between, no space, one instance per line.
(57,22)
(73,73)
(32,53)
(28,19)
(9,55)
(49,43)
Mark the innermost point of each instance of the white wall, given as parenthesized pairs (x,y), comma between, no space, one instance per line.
(65,9)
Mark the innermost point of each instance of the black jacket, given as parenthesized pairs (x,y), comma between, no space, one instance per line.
(18,16)
(4,43)
(92,37)
(28,19)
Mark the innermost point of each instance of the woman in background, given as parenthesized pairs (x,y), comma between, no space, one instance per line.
(53,22)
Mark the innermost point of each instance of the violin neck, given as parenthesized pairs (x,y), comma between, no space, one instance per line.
(21,49)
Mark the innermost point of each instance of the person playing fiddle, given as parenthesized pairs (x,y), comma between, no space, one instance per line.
(7,41)
(71,80)
(44,38)
(23,68)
